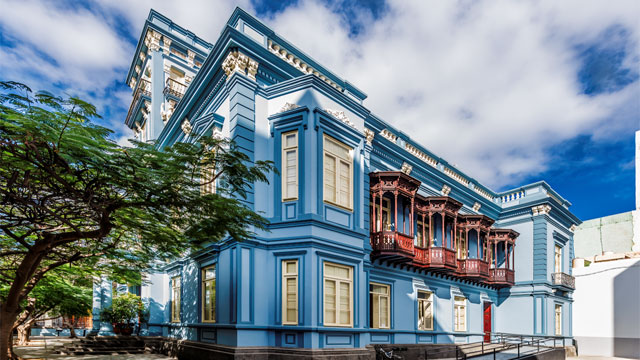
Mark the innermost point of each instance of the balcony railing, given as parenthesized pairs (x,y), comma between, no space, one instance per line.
(475,268)
(143,88)
(563,279)
(392,241)
(501,277)
(175,88)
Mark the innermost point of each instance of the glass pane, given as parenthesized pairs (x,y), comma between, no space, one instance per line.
(329,301)
(345,184)
(384,309)
(375,311)
(329,178)
(290,140)
(292,267)
(345,310)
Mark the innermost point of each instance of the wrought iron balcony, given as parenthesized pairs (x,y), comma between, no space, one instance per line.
(473,268)
(564,280)
(175,88)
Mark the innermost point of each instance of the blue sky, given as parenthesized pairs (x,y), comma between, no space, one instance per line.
(510,92)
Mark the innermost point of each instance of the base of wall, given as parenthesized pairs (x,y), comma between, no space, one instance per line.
(608,346)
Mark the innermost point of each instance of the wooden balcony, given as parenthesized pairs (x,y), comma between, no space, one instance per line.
(501,277)
(436,258)
(564,280)
(392,245)
(473,268)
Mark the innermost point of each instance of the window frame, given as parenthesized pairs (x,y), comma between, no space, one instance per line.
(557,258)
(429,299)
(461,244)
(285,195)
(285,296)
(337,282)
(379,295)
(203,284)
(458,311)
(338,160)
(558,320)
(176,303)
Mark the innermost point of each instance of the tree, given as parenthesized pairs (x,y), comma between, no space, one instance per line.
(69,193)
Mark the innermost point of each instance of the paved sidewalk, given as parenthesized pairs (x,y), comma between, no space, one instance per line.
(43,349)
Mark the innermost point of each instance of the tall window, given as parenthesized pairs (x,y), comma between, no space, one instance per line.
(338,174)
(379,306)
(460,314)
(558,258)
(462,244)
(290,292)
(290,166)
(558,319)
(421,240)
(208,184)
(385,214)
(209,294)
(425,310)
(338,302)
(175,299)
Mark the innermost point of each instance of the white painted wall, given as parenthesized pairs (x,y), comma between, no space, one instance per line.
(606,311)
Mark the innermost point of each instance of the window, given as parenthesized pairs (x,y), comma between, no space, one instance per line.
(290,166)
(208,183)
(462,244)
(209,294)
(385,214)
(558,319)
(419,238)
(290,292)
(425,310)
(175,299)
(337,173)
(338,304)
(558,259)
(460,314)
(379,306)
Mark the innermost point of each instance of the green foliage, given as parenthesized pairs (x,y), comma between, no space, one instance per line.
(68,193)
(124,309)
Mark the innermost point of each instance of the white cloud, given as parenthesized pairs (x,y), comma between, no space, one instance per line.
(488,85)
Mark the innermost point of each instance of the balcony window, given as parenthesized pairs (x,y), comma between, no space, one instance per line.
(425,310)
(290,292)
(558,259)
(386,225)
(209,294)
(421,239)
(290,166)
(338,298)
(461,244)
(379,306)
(338,174)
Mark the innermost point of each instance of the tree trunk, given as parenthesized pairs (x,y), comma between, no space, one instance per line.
(6,334)
(24,332)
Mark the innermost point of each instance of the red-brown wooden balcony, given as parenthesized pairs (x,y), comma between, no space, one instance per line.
(436,258)
(473,268)
(392,245)
(501,277)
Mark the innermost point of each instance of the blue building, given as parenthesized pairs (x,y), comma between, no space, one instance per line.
(372,238)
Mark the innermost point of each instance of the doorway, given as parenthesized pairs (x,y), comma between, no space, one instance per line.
(487,321)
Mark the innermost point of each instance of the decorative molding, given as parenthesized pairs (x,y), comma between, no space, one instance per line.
(445,190)
(338,114)
(166,47)
(573,227)
(186,126)
(406,168)
(388,135)
(166,110)
(297,63)
(483,192)
(541,209)
(143,56)
(152,40)
(369,134)
(191,58)
(476,206)
(238,62)
(217,133)
(420,155)
(457,177)
(188,79)
(287,107)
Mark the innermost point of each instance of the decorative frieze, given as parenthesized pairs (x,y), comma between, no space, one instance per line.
(541,210)
(406,168)
(388,135)
(369,134)
(238,62)
(457,177)
(186,126)
(420,155)
(298,64)
(338,114)
(445,190)
(476,206)
(288,106)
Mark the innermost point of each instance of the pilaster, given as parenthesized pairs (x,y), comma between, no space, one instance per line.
(540,242)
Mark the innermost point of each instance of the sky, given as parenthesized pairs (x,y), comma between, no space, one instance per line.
(511,92)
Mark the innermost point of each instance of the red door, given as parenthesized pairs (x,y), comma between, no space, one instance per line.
(487,322)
